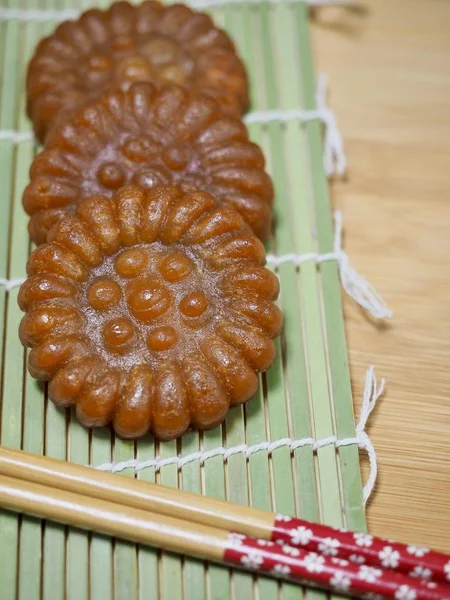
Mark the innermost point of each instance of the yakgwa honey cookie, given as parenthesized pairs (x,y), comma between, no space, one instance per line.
(149,136)
(150,310)
(109,49)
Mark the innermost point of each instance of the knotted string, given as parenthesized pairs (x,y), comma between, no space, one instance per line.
(353,283)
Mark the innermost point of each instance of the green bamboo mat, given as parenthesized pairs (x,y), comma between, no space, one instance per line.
(306,393)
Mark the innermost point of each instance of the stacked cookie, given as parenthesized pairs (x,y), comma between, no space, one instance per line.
(147,303)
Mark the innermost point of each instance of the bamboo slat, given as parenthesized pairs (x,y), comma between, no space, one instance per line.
(305,394)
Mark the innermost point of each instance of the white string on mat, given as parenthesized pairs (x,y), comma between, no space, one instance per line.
(29,14)
(372,392)
(334,157)
(9,135)
(353,283)
(10,284)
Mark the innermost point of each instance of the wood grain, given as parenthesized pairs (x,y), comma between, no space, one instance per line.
(389,70)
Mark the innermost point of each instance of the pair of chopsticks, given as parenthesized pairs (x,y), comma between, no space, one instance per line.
(355,564)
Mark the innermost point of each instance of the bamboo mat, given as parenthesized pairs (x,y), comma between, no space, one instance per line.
(306,394)
(389,70)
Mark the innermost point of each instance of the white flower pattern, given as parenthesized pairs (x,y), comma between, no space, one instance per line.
(264,543)
(290,550)
(236,538)
(357,559)
(369,574)
(340,561)
(281,570)
(301,536)
(284,518)
(329,547)
(421,572)
(314,562)
(389,557)
(363,539)
(252,560)
(340,582)
(417,551)
(404,592)
(447,571)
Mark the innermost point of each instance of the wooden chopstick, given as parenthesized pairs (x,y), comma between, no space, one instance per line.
(112,519)
(135,493)
(193,508)
(206,542)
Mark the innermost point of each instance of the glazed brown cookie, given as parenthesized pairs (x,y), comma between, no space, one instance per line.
(105,50)
(148,137)
(151,310)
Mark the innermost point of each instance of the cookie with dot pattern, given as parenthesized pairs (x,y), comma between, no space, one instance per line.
(149,136)
(109,49)
(151,310)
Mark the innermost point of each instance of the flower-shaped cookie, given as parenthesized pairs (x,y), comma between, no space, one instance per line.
(104,50)
(151,310)
(148,137)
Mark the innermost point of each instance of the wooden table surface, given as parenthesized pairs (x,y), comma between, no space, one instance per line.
(389,70)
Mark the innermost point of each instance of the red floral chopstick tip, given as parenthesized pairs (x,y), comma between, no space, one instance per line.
(361,548)
(328,572)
